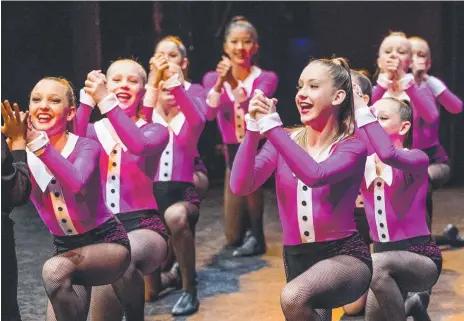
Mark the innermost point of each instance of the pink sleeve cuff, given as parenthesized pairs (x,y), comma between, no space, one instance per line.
(364,116)
(172,82)
(151,96)
(252,125)
(406,82)
(268,122)
(38,143)
(384,82)
(86,99)
(109,103)
(436,85)
(213,99)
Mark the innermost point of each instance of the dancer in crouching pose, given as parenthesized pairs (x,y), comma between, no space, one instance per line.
(319,168)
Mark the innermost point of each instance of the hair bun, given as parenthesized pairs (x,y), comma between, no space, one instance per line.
(341,62)
(239,19)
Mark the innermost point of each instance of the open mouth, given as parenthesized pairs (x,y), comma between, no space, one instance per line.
(44,118)
(305,107)
(123,97)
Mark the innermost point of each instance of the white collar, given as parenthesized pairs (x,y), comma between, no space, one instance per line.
(187,85)
(247,83)
(175,124)
(38,169)
(370,173)
(107,134)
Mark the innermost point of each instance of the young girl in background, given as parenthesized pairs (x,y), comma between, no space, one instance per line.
(230,89)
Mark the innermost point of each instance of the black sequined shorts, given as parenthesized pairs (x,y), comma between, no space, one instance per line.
(168,193)
(112,231)
(299,258)
(422,245)
(144,219)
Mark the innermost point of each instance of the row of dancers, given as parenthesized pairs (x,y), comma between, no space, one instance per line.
(122,196)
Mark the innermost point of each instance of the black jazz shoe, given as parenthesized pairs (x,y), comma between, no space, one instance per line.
(187,304)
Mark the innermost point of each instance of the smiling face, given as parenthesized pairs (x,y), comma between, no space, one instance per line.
(317,99)
(126,79)
(395,46)
(50,106)
(240,45)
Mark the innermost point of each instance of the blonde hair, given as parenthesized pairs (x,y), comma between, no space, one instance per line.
(417,38)
(339,71)
(143,74)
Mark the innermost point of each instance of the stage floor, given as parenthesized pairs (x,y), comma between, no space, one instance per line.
(236,289)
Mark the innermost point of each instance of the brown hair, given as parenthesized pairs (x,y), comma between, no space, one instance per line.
(143,73)
(363,77)
(339,71)
(180,46)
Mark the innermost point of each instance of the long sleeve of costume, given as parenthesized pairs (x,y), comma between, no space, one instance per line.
(445,97)
(147,140)
(412,161)
(82,121)
(337,167)
(426,108)
(213,100)
(193,112)
(16,181)
(74,175)
(377,93)
(250,171)
(267,84)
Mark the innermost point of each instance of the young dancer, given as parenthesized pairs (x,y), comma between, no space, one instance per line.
(230,89)
(394,189)
(173,186)
(174,51)
(319,168)
(439,169)
(66,192)
(131,149)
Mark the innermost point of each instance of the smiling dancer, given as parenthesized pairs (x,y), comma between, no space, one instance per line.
(319,169)
(230,89)
(131,149)
(66,192)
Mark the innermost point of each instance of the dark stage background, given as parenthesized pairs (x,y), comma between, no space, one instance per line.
(69,39)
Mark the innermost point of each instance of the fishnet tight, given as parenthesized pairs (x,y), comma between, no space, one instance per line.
(327,284)
(395,273)
(90,265)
